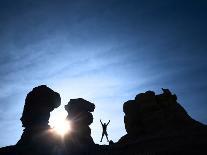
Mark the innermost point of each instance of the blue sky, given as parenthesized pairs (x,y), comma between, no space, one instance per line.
(103,51)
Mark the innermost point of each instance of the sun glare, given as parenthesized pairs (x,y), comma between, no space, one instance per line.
(59,124)
(62,127)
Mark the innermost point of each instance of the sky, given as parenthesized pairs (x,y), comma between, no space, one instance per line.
(103,51)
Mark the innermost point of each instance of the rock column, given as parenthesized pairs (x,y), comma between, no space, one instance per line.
(80,117)
(36,137)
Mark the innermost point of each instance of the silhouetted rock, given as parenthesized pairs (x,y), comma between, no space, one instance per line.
(38,105)
(37,137)
(80,117)
(159,124)
(155,124)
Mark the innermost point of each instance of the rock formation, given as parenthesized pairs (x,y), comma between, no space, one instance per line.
(36,138)
(158,123)
(35,118)
(80,117)
(155,124)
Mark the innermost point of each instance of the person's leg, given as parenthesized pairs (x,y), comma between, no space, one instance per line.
(107,137)
(102,137)
(105,133)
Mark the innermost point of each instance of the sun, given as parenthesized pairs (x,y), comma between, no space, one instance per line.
(59,124)
(62,127)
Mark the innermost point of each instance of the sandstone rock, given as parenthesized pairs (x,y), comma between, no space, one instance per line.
(155,124)
(80,117)
(159,124)
(38,105)
(36,138)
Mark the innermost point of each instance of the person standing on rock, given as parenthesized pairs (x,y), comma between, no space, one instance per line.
(104,126)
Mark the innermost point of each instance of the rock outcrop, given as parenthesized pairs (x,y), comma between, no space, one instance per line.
(159,124)
(37,138)
(155,124)
(80,117)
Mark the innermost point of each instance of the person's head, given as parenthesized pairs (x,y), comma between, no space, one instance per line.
(105,124)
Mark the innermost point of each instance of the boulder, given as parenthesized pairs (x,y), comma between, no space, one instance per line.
(80,117)
(158,124)
(37,138)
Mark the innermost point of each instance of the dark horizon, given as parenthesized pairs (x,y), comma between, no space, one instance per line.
(105,52)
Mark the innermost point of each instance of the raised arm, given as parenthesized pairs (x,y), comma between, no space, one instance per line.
(101,122)
(108,122)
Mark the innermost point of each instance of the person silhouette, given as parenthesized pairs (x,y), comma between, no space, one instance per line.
(104,127)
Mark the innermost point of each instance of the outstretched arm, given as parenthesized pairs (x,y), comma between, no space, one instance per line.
(108,122)
(101,122)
